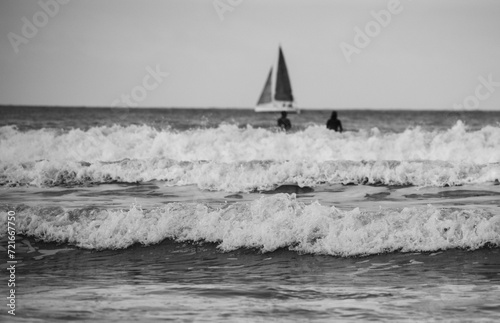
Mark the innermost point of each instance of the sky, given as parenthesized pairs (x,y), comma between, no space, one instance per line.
(341,54)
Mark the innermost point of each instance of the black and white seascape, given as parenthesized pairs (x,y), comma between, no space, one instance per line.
(250,160)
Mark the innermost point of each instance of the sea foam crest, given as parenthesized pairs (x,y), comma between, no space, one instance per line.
(247,176)
(269,223)
(228,143)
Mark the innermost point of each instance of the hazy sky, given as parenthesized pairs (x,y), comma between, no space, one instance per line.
(430,53)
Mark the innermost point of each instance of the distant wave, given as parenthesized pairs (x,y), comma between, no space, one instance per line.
(247,176)
(269,223)
(230,144)
(244,159)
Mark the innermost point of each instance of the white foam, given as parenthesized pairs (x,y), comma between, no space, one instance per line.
(269,223)
(229,144)
(243,159)
(248,176)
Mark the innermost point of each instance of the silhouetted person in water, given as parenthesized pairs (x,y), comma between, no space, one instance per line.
(283,122)
(334,123)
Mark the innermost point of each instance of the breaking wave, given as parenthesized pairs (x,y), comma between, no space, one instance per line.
(247,176)
(268,223)
(243,159)
(228,144)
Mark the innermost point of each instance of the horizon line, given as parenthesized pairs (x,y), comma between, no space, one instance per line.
(245,108)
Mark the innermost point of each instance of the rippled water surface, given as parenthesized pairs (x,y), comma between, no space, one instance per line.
(127,215)
(197,282)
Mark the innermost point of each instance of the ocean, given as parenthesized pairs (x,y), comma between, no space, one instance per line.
(214,215)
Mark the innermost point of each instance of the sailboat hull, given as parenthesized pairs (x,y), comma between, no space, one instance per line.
(277,106)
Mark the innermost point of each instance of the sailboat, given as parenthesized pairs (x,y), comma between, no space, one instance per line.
(279,97)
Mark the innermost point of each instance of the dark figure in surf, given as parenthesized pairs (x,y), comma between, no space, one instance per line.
(283,122)
(334,123)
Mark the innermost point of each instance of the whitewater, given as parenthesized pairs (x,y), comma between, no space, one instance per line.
(267,224)
(145,214)
(232,158)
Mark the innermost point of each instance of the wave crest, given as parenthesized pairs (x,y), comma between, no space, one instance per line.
(247,176)
(229,144)
(269,223)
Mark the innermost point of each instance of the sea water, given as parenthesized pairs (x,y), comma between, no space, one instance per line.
(216,215)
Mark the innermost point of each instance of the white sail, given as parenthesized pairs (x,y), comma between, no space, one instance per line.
(277,94)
